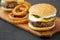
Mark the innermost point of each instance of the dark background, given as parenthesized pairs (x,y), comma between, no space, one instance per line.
(11,32)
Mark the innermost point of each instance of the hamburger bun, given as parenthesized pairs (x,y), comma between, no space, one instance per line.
(6,9)
(8,0)
(40,28)
(43,9)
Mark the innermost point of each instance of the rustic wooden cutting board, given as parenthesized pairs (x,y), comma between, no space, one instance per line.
(4,16)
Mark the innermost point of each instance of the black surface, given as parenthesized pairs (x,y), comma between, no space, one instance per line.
(10,32)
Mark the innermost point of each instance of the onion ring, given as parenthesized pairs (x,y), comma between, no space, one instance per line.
(18,20)
(25,2)
(23,12)
(20,13)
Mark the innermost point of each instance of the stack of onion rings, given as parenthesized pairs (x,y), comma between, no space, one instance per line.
(20,13)
(18,19)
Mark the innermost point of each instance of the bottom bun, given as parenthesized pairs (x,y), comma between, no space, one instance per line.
(40,28)
(6,9)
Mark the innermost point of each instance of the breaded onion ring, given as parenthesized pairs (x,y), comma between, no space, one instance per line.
(23,12)
(18,19)
(23,7)
(25,2)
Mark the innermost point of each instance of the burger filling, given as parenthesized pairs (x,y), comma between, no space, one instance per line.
(45,22)
(42,24)
(11,4)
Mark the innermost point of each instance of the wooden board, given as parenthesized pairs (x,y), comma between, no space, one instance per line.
(4,16)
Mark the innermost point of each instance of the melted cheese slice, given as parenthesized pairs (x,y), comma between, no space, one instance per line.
(43,20)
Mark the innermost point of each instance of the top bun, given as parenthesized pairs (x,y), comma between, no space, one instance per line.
(43,9)
(9,0)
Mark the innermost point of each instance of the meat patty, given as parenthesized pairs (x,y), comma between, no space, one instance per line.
(42,24)
(9,4)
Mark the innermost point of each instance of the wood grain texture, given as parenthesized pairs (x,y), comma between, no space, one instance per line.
(4,16)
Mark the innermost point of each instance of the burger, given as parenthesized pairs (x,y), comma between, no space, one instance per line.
(8,5)
(42,17)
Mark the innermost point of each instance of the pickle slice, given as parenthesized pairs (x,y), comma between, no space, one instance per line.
(36,16)
(49,18)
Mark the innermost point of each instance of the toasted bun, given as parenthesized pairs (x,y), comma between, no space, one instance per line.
(42,28)
(20,0)
(9,0)
(6,9)
(43,9)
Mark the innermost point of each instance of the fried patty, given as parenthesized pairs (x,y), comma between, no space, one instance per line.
(42,24)
(9,4)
